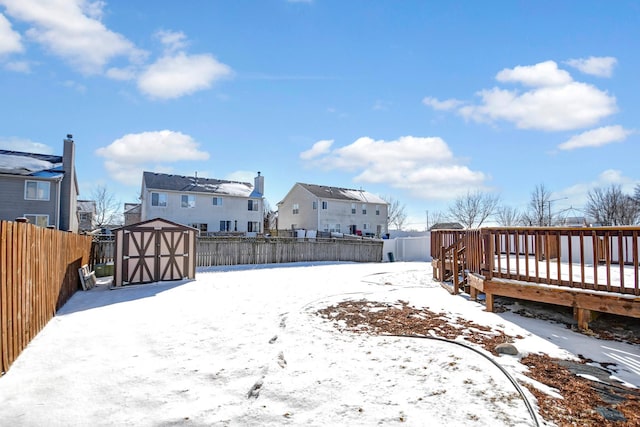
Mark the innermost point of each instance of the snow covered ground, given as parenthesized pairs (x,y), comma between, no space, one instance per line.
(243,346)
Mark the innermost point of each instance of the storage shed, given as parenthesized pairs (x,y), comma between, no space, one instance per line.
(154,250)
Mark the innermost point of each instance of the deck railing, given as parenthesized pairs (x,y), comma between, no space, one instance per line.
(596,258)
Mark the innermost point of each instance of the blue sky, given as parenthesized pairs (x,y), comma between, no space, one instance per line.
(418,100)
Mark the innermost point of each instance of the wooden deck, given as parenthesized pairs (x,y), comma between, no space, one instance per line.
(589,269)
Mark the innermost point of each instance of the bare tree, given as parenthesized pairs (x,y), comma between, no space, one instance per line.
(268,215)
(538,214)
(396,212)
(107,207)
(473,209)
(610,206)
(507,216)
(437,217)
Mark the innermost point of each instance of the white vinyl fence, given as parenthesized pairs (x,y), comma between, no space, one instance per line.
(407,249)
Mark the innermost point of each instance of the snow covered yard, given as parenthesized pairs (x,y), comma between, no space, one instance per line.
(245,345)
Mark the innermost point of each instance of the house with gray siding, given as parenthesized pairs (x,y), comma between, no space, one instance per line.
(333,209)
(87,210)
(40,187)
(213,206)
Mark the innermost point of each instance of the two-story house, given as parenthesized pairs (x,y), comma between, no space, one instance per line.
(213,206)
(40,187)
(131,213)
(87,210)
(333,209)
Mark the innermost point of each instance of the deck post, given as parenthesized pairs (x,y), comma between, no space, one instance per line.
(443,264)
(582,316)
(488,302)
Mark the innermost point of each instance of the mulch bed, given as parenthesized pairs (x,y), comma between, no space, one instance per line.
(585,402)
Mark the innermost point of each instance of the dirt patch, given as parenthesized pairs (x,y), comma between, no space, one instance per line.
(584,403)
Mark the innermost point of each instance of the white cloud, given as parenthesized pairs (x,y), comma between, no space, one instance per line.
(596,137)
(319,148)
(172,40)
(553,102)
(446,105)
(551,108)
(126,157)
(597,66)
(18,66)
(124,73)
(25,145)
(71,30)
(10,41)
(542,74)
(78,87)
(578,193)
(423,166)
(181,74)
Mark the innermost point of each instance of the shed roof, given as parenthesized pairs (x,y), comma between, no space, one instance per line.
(339,193)
(447,226)
(162,181)
(155,222)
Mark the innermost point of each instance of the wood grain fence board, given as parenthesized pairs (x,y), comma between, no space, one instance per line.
(38,274)
(4,299)
(232,251)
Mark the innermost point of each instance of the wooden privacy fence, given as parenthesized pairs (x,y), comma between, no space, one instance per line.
(234,251)
(102,250)
(38,274)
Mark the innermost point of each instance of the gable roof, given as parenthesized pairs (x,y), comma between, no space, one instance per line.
(30,164)
(86,206)
(447,226)
(162,181)
(346,194)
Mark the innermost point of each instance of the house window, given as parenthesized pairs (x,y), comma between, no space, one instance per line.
(366,226)
(296,209)
(39,220)
(325,228)
(217,201)
(225,225)
(86,216)
(364,209)
(36,190)
(315,205)
(252,205)
(353,208)
(253,226)
(336,228)
(159,199)
(325,205)
(202,228)
(188,201)
(377,209)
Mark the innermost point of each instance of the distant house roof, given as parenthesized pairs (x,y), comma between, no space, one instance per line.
(447,226)
(30,164)
(87,206)
(162,181)
(132,208)
(338,193)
